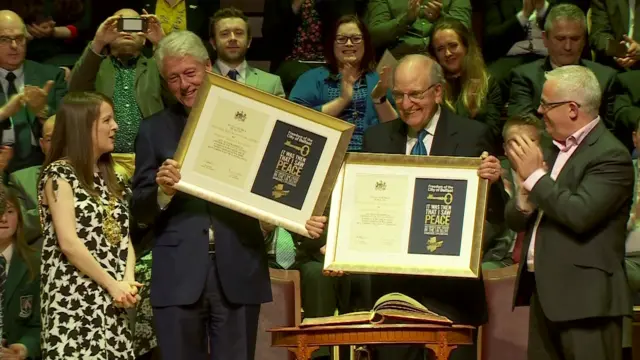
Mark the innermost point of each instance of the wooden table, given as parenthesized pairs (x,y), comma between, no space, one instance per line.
(440,339)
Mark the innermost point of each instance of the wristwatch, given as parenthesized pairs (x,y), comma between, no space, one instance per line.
(381,100)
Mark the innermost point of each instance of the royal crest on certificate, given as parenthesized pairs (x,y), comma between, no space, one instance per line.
(259,154)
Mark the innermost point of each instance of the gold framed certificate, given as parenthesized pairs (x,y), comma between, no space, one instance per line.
(259,154)
(415,215)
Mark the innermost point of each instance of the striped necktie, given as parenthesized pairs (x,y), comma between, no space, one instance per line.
(419,148)
(3,280)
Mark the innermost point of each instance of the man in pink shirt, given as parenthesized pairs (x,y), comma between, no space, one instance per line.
(573,207)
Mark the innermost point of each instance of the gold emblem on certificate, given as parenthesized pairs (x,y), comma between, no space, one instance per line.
(433,244)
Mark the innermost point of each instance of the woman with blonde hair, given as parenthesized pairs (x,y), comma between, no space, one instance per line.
(470,91)
(87,257)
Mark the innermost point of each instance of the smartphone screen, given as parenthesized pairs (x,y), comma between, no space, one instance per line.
(131,24)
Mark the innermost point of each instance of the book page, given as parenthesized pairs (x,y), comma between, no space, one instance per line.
(344,319)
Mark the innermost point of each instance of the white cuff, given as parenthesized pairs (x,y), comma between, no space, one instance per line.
(163,199)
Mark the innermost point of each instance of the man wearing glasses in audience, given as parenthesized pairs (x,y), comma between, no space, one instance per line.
(39,87)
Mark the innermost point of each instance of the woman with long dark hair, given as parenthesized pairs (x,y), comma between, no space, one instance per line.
(87,257)
(470,91)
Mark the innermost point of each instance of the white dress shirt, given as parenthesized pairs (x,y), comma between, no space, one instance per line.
(8,135)
(8,253)
(412,136)
(241,69)
(19,81)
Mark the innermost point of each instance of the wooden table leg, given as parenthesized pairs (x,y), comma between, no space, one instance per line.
(442,349)
(303,351)
(442,352)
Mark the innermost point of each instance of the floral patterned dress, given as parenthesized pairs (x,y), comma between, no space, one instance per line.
(144,339)
(307,44)
(79,320)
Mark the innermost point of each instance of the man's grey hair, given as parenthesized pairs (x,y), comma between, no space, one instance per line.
(567,12)
(577,83)
(436,74)
(180,44)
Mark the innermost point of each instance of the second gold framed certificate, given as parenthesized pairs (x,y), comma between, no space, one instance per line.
(414,215)
(259,154)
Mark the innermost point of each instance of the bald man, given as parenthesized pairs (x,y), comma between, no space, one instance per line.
(424,128)
(114,65)
(43,87)
(25,182)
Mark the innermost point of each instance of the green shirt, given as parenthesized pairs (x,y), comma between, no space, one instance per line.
(125,107)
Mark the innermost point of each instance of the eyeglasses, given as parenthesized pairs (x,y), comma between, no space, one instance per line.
(342,39)
(8,40)
(546,106)
(413,96)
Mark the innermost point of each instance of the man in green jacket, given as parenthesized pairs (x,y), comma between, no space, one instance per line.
(232,49)
(114,65)
(404,26)
(25,183)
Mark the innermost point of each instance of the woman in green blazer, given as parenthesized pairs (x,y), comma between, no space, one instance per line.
(21,300)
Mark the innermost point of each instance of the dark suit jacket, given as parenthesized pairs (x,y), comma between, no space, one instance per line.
(462,300)
(180,253)
(627,105)
(22,305)
(580,242)
(527,81)
(610,20)
(25,153)
(502,28)
(280,24)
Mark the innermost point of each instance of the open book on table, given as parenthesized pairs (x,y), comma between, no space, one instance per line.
(392,308)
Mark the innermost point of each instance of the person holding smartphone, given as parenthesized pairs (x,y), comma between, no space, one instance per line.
(611,26)
(114,64)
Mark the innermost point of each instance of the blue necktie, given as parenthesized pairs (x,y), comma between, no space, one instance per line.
(232,74)
(419,148)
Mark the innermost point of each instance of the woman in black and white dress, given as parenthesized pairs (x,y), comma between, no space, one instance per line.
(87,258)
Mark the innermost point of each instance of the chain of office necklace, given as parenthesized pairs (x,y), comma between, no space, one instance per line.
(110,225)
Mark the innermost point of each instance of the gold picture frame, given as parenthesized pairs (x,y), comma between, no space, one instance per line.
(403,214)
(259,154)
